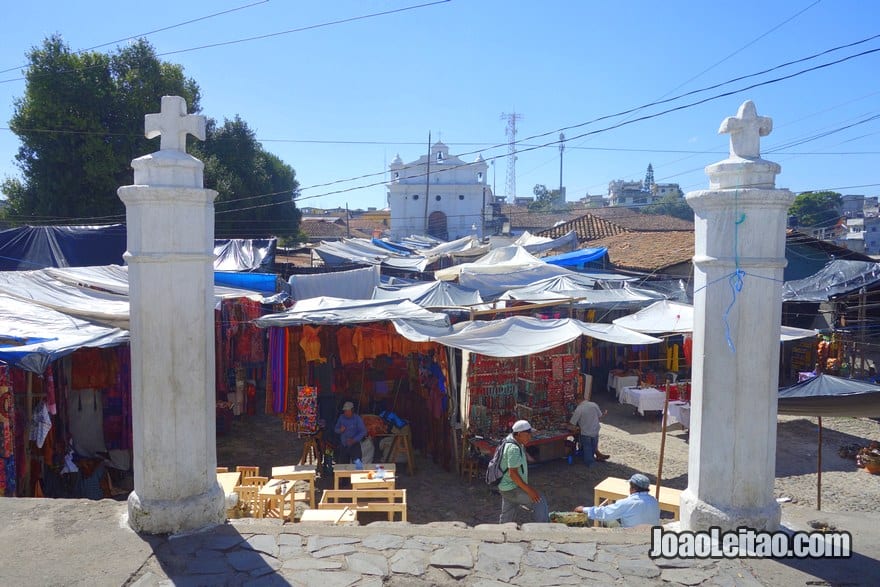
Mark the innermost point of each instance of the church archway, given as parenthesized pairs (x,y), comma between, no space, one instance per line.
(437,225)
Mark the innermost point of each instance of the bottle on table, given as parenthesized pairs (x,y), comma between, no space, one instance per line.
(380,472)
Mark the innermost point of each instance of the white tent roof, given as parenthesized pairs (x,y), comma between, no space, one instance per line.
(674,317)
(326,310)
(499,261)
(519,335)
(430,294)
(33,336)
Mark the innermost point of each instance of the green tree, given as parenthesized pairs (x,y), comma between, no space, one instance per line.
(80,123)
(816,209)
(671,205)
(545,199)
(255,188)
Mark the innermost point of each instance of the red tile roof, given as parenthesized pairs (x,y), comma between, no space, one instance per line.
(648,251)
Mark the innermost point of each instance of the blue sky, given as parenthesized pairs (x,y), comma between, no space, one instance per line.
(339,101)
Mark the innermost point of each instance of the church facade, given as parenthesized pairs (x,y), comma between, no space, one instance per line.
(439,195)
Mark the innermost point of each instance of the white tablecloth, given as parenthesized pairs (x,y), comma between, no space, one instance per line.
(647,399)
(618,382)
(680,412)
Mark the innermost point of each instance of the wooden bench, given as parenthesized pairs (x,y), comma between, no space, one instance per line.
(366,500)
(614,488)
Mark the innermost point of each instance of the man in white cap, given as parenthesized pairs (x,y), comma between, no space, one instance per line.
(639,508)
(514,486)
(351,430)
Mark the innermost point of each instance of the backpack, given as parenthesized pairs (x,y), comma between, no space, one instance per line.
(494,472)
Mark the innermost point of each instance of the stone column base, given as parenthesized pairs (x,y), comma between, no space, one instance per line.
(697,514)
(173,516)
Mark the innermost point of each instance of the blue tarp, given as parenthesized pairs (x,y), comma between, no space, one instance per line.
(578,258)
(265,283)
(393,247)
(36,247)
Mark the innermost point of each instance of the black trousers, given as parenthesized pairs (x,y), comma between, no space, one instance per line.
(348,454)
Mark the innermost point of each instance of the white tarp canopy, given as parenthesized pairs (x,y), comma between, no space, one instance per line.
(499,261)
(361,250)
(96,294)
(673,317)
(430,294)
(519,335)
(357,284)
(540,244)
(33,336)
(327,310)
(581,287)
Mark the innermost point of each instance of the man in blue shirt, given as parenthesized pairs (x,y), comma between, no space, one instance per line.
(637,509)
(514,486)
(351,430)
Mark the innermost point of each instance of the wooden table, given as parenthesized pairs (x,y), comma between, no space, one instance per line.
(269,491)
(332,517)
(366,500)
(346,471)
(614,488)
(362,480)
(298,473)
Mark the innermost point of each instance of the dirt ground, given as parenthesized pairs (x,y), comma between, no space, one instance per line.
(634,444)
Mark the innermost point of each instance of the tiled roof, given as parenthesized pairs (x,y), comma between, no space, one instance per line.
(648,251)
(369,223)
(634,220)
(521,218)
(587,228)
(318,229)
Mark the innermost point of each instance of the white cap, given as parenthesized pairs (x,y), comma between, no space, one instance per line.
(521,426)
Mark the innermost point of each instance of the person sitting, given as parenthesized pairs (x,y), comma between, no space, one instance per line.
(351,430)
(640,507)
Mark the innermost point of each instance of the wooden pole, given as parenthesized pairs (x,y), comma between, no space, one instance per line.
(819,470)
(662,442)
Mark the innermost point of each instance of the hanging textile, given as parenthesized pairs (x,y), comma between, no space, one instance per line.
(307,409)
(7,434)
(345,343)
(310,343)
(278,355)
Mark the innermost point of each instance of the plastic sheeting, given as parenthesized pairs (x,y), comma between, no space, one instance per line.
(33,336)
(357,284)
(500,260)
(539,244)
(327,310)
(672,317)
(826,395)
(244,254)
(431,294)
(577,259)
(265,283)
(567,288)
(837,277)
(353,250)
(518,336)
(35,247)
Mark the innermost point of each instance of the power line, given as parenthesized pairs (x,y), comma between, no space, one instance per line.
(159,30)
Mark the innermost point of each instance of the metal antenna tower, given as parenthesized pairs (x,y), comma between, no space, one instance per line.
(511,152)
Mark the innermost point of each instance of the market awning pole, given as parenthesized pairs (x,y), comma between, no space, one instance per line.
(662,441)
(819,470)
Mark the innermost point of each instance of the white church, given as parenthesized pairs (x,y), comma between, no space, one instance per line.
(439,195)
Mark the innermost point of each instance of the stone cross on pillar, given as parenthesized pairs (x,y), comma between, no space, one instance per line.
(170,230)
(173,124)
(739,234)
(745,130)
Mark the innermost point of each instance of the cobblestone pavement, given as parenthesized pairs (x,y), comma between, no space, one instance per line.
(445,553)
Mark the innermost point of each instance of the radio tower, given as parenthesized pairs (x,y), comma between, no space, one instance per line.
(511,152)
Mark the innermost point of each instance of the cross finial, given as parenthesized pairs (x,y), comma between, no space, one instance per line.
(745,130)
(173,124)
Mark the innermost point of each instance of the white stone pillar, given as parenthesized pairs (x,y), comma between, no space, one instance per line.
(738,267)
(170,222)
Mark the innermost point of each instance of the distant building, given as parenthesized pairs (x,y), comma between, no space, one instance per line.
(852,205)
(863,235)
(446,199)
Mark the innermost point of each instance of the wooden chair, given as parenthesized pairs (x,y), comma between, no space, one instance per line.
(469,465)
(255,481)
(311,449)
(249,502)
(247,472)
(222,469)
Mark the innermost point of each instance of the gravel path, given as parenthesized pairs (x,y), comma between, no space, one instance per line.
(634,444)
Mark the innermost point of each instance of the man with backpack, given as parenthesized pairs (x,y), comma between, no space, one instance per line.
(514,486)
